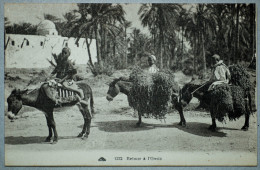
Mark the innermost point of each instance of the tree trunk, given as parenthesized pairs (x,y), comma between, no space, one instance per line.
(237,35)
(161,47)
(99,59)
(203,56)
(252,28)
(89,53)
(126,47)
(182,50)
(195,63)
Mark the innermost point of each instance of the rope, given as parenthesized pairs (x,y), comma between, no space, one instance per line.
(199,87)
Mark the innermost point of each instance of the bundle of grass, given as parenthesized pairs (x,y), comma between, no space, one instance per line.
(227,101)
(239,103)
(152,93)
(221,102)
(141,91)
(240,77)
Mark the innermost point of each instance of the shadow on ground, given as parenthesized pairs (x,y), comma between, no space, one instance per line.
(201,129)
(127,126)
(20,140)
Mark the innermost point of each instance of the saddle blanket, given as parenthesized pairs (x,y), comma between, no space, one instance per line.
(65,96)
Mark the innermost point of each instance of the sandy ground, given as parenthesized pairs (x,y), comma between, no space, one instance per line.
(114,134)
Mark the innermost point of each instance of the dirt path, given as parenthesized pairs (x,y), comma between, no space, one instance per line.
(113,133)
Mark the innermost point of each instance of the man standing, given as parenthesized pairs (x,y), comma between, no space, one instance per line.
(152,67)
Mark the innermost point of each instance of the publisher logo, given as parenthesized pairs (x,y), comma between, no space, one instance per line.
(101,159)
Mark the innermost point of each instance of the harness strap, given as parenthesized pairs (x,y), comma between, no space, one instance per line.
(199,87)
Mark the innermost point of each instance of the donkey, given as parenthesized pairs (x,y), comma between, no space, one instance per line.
(124,85)
(203,95)
(38,99)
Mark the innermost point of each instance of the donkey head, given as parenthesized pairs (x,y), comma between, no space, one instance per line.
(113,89)
(14,103)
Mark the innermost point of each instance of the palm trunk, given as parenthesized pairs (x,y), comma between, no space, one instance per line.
(252,28)
(126,47)
(89,53)
(99,59)
(203,56)
(182,50)
(161,47)
(237,35)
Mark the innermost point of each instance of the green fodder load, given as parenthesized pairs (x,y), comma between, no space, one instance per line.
(238,102)
(221,101)
(141,91)
(152,92)
(227,101)
(240,77)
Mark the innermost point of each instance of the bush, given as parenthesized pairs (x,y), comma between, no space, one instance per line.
(97,70)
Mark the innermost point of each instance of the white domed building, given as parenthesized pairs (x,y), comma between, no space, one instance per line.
(46,27)
(32,51)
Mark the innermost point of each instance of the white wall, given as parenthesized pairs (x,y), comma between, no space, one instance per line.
(40,48)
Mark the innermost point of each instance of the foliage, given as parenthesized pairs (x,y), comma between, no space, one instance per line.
(21,28)
(240,77)
(227,101)
(152,93)
(97,70)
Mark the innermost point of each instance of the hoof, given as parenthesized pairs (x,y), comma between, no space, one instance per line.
(48,139)
(85,136)
(183,124)
(54,142)
(80,134)
(138,124)
(244,128)
(212,128)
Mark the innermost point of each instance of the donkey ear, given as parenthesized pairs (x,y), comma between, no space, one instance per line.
(24,91)
(14,91)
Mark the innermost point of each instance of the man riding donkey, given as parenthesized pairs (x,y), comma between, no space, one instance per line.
(220,74)
(65,72)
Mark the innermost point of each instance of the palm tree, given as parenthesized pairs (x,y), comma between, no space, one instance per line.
(126,25)
(199,28)
(99,19)
(182,23)
(159,18)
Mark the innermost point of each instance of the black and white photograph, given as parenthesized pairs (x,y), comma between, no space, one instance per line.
(130,84)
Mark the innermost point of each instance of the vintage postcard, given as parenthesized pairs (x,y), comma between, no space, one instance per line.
(130,84)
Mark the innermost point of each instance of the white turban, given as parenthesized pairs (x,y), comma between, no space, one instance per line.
(153,57)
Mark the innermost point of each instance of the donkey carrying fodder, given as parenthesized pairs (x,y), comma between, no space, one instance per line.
(38,99)
(224,100)
(148,93)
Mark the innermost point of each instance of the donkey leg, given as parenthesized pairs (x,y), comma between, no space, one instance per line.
(180,110)
(82,111)
(89,117)
(53,126)
(139,119)
(213,126)
(48,139)
(213,118)
(247,115)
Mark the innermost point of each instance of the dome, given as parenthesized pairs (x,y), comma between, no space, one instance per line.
(46,27)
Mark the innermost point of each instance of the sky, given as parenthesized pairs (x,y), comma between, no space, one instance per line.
(33,12)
